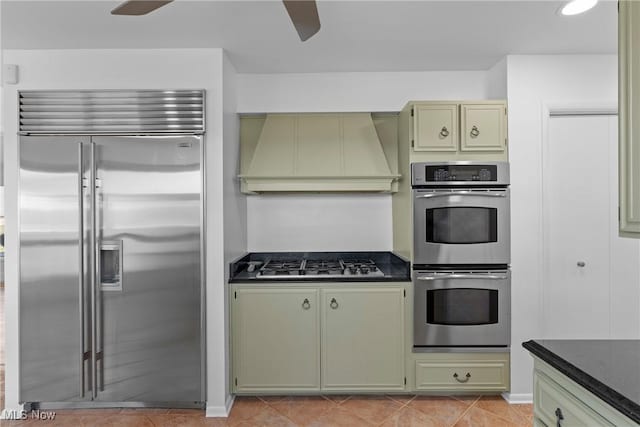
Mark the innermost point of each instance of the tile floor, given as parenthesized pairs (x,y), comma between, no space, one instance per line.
(287,411)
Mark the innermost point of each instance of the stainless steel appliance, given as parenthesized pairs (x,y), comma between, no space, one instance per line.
(461,213)
(320,266)
(304,268)
(458,308)
(110,259)
(462,283)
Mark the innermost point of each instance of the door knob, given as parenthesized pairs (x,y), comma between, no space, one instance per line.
(581,263)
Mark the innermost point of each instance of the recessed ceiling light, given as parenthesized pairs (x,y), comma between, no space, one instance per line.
(575,7)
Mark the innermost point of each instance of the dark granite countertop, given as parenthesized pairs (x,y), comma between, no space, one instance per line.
(394,267)
(610,369)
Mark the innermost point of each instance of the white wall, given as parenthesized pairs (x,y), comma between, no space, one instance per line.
(235,207)
(322,222)
(497,80)
(344,92)
(122,69)
(534,82)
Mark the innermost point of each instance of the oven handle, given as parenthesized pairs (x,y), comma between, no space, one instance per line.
(463,193)
(464,276)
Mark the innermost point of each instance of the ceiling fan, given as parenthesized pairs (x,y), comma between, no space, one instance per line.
(303,13)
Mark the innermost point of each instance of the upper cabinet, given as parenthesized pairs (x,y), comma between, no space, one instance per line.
(629,106)
(435,127)
(483,127)
(445,130)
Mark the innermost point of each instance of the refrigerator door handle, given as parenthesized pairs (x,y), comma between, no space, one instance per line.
(94,274)
(81,187)
(99,285)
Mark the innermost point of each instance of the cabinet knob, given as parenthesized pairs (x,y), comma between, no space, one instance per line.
(306,304)
(559,417)
(581,263)
(474,132)
(444,132)
(333,304)
(457,377)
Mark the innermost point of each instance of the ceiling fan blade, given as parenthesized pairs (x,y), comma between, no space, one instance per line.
(138,7)
(304,15)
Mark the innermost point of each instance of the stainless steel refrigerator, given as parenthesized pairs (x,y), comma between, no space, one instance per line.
(111,270)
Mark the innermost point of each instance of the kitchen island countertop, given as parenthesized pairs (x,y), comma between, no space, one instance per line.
(609,369)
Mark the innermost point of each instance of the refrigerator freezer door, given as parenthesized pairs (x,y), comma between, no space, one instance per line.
(53,327)
(149,326)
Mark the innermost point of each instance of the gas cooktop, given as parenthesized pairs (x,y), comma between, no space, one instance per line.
(306,268)
(319,266)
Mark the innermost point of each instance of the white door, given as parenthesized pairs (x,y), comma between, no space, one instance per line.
(591,287)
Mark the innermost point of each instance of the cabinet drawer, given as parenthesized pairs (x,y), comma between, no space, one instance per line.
(551,400)
(482,375)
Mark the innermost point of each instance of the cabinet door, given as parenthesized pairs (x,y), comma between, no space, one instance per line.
(435,127)
(555,406)
(629,105)
(483,127)
(363,339)
(276,340)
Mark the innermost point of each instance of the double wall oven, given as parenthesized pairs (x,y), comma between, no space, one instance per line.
(461,242)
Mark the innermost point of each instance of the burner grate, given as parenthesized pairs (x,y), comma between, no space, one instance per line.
(319,268)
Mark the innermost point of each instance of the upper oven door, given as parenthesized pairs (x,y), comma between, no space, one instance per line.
(461,226)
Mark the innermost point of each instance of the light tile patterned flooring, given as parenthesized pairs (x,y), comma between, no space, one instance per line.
(288,411)
(317,411)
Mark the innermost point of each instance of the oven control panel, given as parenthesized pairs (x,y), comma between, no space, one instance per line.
(453,173)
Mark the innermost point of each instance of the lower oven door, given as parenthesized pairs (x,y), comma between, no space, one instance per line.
(462,309)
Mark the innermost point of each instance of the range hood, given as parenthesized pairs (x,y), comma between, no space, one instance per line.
(332,152)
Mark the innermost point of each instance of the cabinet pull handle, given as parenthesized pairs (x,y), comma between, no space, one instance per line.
(455,375)
(306,304)
(334,303)
(474,132)
(444,132)
(559,417)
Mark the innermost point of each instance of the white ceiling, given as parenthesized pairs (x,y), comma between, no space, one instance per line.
(356,35)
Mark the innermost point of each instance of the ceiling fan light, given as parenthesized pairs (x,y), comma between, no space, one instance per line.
(576,7)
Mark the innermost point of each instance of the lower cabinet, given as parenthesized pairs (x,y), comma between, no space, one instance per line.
(306,339)
(462,372)
(363,339)
(558,401)
(276,339)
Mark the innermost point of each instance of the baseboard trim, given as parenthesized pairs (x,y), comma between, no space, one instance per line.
(220,411)
(514,398)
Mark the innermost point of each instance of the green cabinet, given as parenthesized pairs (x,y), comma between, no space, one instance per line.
(450,130)
(483,127)
(557,400)
(276,339)
(301,338)
(435,127)
(363,339)
(629,107)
